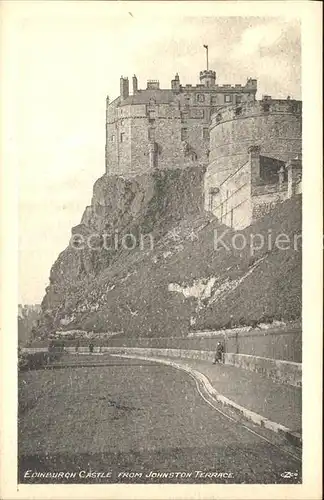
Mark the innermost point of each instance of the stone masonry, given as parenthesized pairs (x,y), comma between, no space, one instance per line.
(254,189)
(251,149)
(166,128)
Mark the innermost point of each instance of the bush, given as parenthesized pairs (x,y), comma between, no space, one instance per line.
(37,360)
(254,323)
(242,321)
(266,318)
(56,346)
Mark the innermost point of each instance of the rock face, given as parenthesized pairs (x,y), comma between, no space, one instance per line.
(170,277)
(144,208)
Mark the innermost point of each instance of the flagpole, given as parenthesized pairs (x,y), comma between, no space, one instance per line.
(206,47)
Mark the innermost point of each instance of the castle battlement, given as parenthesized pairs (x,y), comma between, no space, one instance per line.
(226,87)
(265,106)
(175,119)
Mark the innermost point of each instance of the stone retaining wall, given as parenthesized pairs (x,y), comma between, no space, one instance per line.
(285,372)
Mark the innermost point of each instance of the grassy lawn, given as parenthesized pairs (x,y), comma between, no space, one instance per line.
(132,416)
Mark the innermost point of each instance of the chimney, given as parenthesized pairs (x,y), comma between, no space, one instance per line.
(254,157)
(175,83)
(124,88)
(135,85)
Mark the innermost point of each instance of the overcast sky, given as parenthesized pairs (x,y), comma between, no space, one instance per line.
(66,57)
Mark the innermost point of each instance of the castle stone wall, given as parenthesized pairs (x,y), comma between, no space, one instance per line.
(275,125)
(264,203)
(232,205)
(252,191)
(112,137)
(166,128)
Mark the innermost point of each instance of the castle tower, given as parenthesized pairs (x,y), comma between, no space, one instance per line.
(175,119)
(273,124)
(175,83)
(208,78)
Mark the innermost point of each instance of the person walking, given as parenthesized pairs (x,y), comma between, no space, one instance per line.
(91,346)
(218,353)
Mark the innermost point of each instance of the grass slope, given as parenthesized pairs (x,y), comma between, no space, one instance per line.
(132,295)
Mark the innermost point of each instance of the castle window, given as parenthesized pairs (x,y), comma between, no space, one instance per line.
(122,122)
(214,99)
(184,116)
(228,98)
(184,134)
(206,133)
(266,107)
(218,117)
(122,137)
(238,111)
(238,99)
(200,98)
(151,134)
(113,138)
(186,102)
(151,114)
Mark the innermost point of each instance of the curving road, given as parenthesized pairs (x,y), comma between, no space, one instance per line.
(134,421)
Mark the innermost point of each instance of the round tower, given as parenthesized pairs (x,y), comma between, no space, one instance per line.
(208,77)
(273,124)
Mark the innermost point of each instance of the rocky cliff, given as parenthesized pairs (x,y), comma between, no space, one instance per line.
(125,221)
(159,269)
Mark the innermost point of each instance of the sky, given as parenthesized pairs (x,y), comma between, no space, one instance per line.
(66,57)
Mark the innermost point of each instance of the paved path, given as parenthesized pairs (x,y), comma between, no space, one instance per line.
(277,402)
(132,416)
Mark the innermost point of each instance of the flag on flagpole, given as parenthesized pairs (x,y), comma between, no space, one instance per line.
(206,46)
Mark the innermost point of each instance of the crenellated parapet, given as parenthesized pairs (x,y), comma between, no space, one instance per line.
(272,125)
(262,107)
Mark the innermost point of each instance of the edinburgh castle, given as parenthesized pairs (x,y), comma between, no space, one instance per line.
(251,149)
(182,163)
